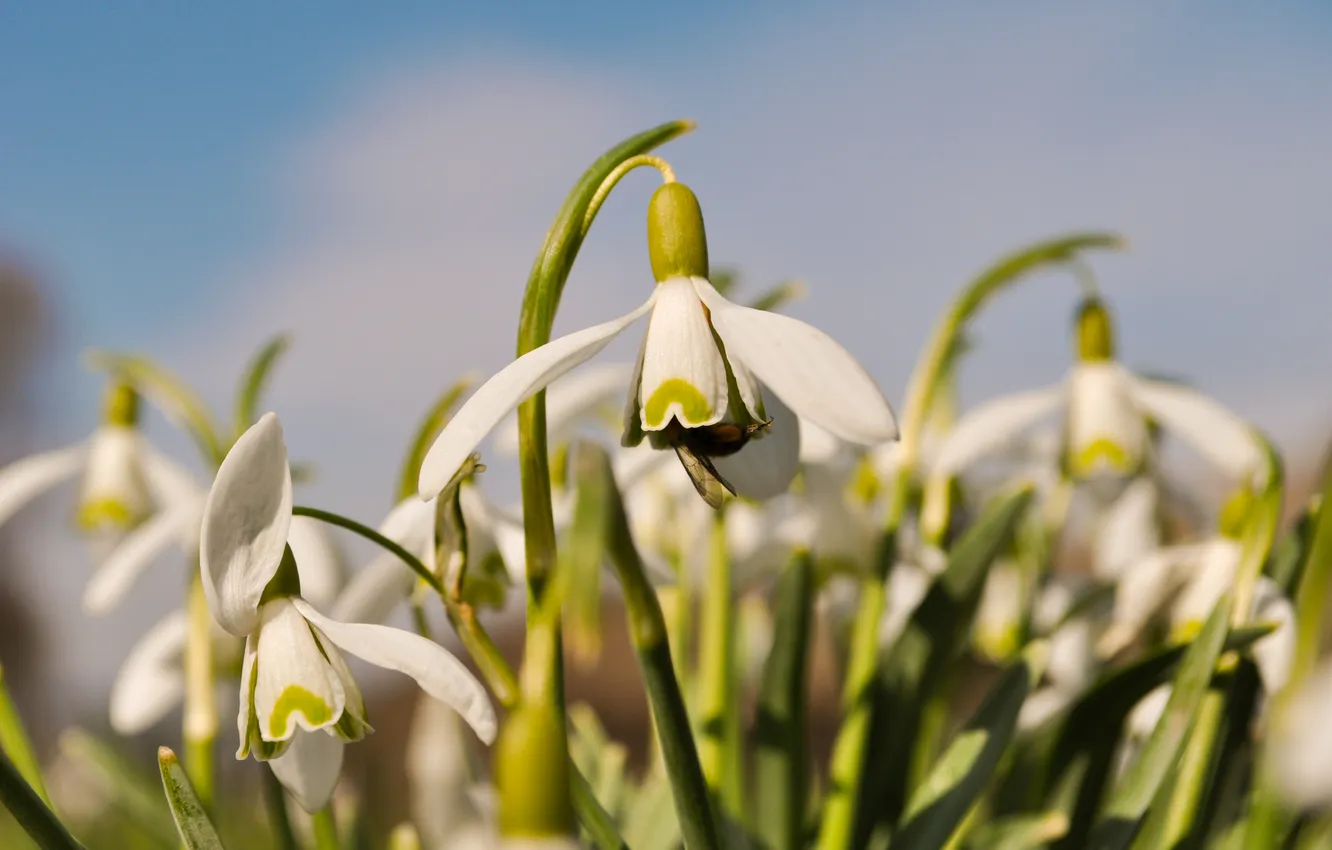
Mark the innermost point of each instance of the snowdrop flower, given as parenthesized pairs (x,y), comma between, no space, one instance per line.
(1299,750)
(1128,530)
(124,480)
(151,681)
(495,551)
(1105,409)
(697,380)
(298,700)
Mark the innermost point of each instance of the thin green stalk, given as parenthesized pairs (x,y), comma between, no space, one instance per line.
(781,769)
(37,820)
(489,660)
(431,424)
(375,537)
(15,743)
(200,720)
(719,720)
(545,285)
(647,632)
(279,819)
(325,829)
(254,379)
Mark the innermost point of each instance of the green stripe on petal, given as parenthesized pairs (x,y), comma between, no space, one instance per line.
(1088,458)
(679,397)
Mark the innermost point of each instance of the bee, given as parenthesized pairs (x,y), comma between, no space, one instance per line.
(695,447)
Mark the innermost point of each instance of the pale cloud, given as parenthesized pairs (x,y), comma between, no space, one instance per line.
(885,159)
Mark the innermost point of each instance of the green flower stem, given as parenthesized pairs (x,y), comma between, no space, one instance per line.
(930,375)
(545,285)
(1259,534)
(647,632)
(254,380)
(1312,597)
(375,537)
(487,656)
(325,829)
(279,820)
(718,710)
(16,745)
(37,820)
(200,721)
(781,768)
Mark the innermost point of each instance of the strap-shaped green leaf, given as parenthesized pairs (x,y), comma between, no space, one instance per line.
(192,822)
(942,801)
(1129,801)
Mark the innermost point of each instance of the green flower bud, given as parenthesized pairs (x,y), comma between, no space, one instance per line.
(531,774)
(1096,333)
(677,243)
(121,405)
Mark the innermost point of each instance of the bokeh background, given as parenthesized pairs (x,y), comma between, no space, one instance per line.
(186,180)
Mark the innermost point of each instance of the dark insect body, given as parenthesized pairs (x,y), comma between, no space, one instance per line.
(695,447)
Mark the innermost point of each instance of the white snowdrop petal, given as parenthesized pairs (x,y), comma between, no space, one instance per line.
(295,685)
(684,375)
(1300,744)
(245,523)
(150,682)
(574,399)
(26,479)
(806,368)
(1128,530)
(510,387)
(433,667)
(309,769)
(1219,435)
(137,551)
(1275,653)
(1106,430)
(768,463)
(992,426)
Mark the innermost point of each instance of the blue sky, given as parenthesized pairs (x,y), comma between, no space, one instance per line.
(190,180)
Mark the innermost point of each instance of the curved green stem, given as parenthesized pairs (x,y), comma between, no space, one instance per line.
(255,379)
(375,537)
(200,720)
(719,718)
(431,424)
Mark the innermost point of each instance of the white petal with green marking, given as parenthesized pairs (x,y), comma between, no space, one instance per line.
(115,492)
(684,375)
(295,686)
(1106,431)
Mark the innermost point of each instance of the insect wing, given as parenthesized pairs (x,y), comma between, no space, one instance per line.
(709,484)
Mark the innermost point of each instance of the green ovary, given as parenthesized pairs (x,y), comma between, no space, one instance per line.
(294,698)
(694,407)
(1114,455)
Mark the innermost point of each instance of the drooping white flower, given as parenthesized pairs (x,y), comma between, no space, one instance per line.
(1073,663)
(151,680)
(1299,749)
(299,701)
(700,367)
(134,502)
(1105,410)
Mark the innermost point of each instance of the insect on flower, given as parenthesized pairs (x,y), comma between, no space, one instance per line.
(697,446)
